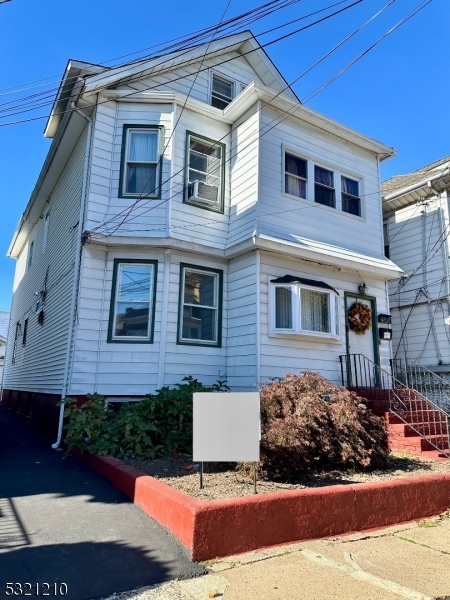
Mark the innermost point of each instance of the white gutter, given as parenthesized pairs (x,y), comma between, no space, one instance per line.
(414,187)
(76,274)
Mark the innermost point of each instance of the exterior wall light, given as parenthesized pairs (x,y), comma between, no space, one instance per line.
(362,288)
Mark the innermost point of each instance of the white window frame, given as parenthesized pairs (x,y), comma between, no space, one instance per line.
(45,231)
(310,183)
(333,303)
(341,193)
(216,307)
(225,79)
(128,130)
(306,180)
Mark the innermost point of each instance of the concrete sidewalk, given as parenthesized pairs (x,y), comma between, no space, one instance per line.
(407,561)
(62,523)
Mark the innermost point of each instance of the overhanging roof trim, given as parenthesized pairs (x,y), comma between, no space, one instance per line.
(310,282)
(244,42)
(75,70)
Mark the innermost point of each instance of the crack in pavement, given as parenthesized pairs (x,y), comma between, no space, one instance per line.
(355,571)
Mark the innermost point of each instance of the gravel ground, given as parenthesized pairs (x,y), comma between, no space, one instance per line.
(222,481)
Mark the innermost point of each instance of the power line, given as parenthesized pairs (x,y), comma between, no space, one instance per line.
(133,79)
(181,41)
(49,93)
(277,120)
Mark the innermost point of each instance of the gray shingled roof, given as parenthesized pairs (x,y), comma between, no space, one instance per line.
(399,182)
(4,323)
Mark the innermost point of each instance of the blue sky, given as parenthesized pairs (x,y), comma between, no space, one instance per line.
(398,93)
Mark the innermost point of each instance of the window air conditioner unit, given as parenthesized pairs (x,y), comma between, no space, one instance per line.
(203,193)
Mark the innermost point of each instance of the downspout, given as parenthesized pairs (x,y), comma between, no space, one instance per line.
(99,345)
(258,317)
(164,310)
(424,277)
(76,274)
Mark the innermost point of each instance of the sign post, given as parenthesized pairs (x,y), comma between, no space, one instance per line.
(226,428)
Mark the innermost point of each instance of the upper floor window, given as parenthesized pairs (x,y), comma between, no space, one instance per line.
(140,172)
(200,306)
(30,254)
(324,192)
(222,91)
(295,175)
(351,201)
(45,234)
(132,301)
(205,172)
(301,306)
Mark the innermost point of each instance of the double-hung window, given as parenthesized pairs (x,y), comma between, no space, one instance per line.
(200,306)
(351,200)
(205,172)
(295,175)
(301,306)
(324,192)
(132,301)
(140,173)
(222,91)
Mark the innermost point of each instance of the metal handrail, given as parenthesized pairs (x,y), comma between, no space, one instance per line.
(429,384)
(413,408)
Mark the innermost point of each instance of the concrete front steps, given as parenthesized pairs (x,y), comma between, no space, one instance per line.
(423,420)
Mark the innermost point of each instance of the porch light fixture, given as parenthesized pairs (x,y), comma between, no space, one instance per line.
(362,288)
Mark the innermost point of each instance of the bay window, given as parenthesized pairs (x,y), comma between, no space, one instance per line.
(303,306)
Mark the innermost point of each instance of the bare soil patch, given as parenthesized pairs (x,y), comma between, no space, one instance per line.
(226,481)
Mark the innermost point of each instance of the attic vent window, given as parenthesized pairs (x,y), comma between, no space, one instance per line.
(222,92)
(205,165)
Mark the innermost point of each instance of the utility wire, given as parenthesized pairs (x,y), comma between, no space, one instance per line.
(290,111)
(131,79)
(49,94)
(179,41)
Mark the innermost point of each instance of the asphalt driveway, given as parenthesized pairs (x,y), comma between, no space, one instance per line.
(62,523)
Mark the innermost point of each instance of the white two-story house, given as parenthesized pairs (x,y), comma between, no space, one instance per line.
(192,218)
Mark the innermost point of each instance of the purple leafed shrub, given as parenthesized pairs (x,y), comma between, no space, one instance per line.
(309,423)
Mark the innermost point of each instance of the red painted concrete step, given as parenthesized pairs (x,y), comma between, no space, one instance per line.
(408,419)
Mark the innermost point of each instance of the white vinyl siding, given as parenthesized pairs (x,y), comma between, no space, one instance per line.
(39,365)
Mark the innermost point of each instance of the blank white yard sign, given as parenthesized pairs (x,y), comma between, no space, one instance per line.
(226,427)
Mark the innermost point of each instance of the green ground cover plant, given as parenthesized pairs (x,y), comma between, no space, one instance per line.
(160,425)
(307,424)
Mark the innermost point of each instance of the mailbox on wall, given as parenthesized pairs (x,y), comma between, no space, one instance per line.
(386,319)
(384,333)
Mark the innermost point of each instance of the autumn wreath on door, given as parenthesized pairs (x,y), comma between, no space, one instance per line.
(359,317)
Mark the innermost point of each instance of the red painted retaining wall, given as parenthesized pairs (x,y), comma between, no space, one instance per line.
(217,528)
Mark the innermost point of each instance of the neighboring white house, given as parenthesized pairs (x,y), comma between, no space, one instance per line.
(193,218)
(417,223)
(4,324)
